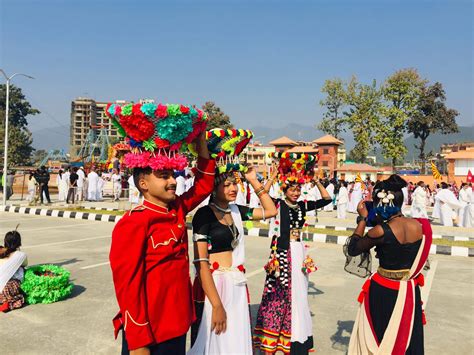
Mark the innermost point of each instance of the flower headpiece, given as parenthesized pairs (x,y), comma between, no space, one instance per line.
(157,134)
(225,146)
(293,168)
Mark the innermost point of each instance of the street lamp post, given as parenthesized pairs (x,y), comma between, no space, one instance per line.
(5,153)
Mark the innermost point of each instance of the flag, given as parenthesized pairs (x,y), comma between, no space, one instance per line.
(435,171)
(470,177)
(358,178)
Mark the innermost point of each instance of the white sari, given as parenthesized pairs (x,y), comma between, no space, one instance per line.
(11,267)
(231,285)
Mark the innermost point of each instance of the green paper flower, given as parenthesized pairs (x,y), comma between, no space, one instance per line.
(127,110)
(46,284)
(149,145)
(173,110)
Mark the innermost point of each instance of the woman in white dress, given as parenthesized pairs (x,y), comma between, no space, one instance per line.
(62,184)
(418,204)
(448,205)
(466,212)
(355,198)
(342,200)
(330,189)
(220,288)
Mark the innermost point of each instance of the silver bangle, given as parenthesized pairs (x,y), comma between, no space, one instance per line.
(263,214)
(200,259)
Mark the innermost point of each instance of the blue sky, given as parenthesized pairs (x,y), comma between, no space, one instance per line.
(260,61)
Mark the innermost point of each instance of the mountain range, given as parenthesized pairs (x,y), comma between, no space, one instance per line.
(58,137)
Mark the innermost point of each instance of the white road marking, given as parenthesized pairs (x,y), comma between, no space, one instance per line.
(425,290)
(65,242)
(95,265)
(52,227)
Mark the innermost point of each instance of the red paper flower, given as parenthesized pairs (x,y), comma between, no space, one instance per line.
(137,127)
(184,110)
(161,111)
(241,268)
(215,265)
(136,111)
(161,143)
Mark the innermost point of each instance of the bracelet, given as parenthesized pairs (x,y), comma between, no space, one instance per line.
(263,214)
(201,259)
(261,192)
(360,219)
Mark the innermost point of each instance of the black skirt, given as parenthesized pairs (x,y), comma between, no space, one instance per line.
(382,301)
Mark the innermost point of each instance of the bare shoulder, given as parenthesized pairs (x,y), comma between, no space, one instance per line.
(375,232)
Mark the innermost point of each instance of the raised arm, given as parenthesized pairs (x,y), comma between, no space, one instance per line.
(204,176)
(359,243)
(268,209)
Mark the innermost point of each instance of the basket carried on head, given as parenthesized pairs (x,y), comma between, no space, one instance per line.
(46,284)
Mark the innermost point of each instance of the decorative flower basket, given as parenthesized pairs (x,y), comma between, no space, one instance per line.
(46,284)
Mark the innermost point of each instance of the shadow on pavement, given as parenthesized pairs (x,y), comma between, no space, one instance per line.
(67,262)
(340,339)
(313,291)
(76,291)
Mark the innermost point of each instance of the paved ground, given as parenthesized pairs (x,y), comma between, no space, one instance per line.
(82,323)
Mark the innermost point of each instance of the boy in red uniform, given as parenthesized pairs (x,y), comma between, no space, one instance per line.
(149,260)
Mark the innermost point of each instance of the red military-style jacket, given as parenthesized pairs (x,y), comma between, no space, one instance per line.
(150,266)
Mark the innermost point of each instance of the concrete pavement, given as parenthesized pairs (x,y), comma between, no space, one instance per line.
(82,323)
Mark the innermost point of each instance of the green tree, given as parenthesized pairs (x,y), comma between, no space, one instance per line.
(19,137)
(401,93)
(217,118)
(362,116)
(432,116)
(333,121)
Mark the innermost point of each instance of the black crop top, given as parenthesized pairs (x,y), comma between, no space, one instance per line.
(219,236)
(392,254)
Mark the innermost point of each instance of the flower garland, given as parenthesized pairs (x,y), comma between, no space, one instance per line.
(157,133)
(46,284)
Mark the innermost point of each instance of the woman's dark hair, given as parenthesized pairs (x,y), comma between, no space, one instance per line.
(420,183)
(444,185)
(12,243)
(287,186)
(395,184)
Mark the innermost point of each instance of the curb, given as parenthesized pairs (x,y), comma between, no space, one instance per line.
(255,232)
(60,213)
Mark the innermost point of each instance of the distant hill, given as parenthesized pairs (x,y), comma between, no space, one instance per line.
(309,133)
(58,137)
(434,142)
(52,138)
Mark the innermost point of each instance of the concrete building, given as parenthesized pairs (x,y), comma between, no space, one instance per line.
(257,155)
(329,158)
(459,164)
(283,143)
(87,114)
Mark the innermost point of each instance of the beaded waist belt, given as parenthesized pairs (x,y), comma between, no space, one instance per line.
(403,274)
